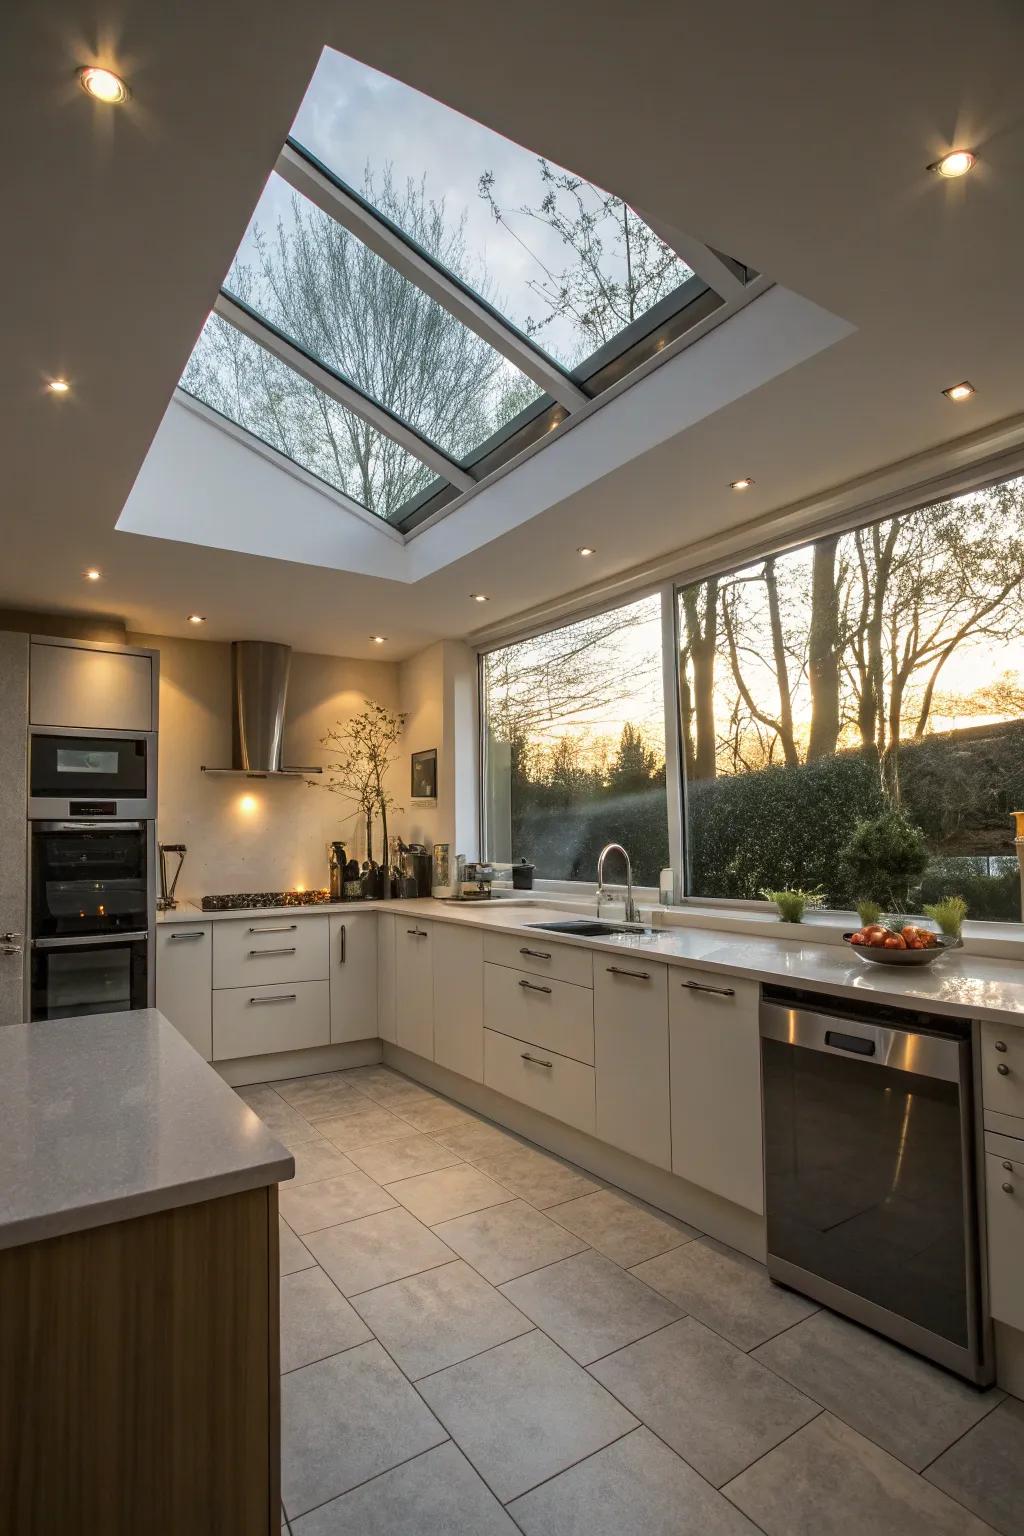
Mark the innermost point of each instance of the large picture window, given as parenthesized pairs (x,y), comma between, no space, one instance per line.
(874,677)
(575,746)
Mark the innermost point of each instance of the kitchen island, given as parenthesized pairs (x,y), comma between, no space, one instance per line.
(138,1287)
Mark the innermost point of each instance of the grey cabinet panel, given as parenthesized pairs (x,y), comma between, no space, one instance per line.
(92,688)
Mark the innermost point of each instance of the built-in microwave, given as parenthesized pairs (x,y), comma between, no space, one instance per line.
(97,775)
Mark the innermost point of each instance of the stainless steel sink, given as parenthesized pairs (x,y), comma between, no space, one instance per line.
(589,927)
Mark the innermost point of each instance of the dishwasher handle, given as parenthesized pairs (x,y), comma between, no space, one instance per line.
(875,1045)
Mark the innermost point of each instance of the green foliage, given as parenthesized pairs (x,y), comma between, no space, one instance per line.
(885,858)
(992,898)
(949,913)
(793,904)
(868,911)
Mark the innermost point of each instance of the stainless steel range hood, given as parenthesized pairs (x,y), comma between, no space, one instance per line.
(259,692)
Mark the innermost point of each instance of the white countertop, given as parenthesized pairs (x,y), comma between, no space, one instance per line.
(114,1115)
(959,984)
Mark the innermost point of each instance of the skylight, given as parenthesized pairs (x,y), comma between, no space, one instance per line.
(417,300)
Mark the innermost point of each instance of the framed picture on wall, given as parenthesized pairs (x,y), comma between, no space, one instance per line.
(424,775)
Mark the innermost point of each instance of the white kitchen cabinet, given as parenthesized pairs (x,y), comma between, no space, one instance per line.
(715,1071)
(183,980)
(1002,1069)
(458,964)
(537,954)
(353,976)
(253,1021)
(414,985)
(387,980)
(631,1057)
(249,951)
(96,688)
(1004,1179)
(556,1085)
(539,1009)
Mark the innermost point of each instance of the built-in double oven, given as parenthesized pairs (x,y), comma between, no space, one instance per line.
(92,848)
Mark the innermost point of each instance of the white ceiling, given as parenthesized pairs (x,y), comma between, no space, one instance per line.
(794,136)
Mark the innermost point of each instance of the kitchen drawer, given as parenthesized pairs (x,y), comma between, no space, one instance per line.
(540,957)
(249,1021)
(553,1014)
(1004,1179)
(1002,1068)
(553,1084)
(258,950)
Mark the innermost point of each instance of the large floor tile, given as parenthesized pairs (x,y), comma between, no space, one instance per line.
(636,1487)
(292,1252)
(985,1470)
(344,1420)
(284,1122)
(314,1206)
(316,1320)
(523,1411)
(440,1317)
(386,1161)
(320,1096)
(536,1177)
(318,1160)
(508,1240)
(478,1138)
(903,1403)
(448,1193)
(724,1289)
(375,1250)
(383,1085)
(621,1228)
(707,1400)
(432,1114)
(361,1124)
(590,1306)
(436,1494)
(829,1481)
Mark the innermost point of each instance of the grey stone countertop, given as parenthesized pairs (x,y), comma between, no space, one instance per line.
(959,983)
(114,1115)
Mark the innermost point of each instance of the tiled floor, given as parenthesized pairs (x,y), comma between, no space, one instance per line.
(478,1338)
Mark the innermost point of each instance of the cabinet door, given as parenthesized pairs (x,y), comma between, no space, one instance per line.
(458,959)
(414,991)
(1004,1178)
(354,976)
(715,1059)
(184,979)
(631,1057)
(387,980)
(1002,1069)
(92,688)
(13,792)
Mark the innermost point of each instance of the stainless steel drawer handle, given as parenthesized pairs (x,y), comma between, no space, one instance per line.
(416,933)
(342,945)
(1008,1188)
(279,997)
(702,986)
(617,970)
(537,954)
(280,928)
(537,1062)
(531,986)
(199,934)
(1000,1045)
(257,954)
(1003,1069)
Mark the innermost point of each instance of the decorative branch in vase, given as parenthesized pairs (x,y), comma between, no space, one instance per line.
(364,752)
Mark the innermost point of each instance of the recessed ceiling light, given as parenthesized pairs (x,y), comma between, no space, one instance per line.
(959,392)
(479,597)
(378,639)
(103,85)
(58,386)
(742,484)
(957,163)
(92,574)
(197,618)
(585,550)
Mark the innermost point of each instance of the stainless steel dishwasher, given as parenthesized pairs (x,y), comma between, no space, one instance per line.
(871,1169)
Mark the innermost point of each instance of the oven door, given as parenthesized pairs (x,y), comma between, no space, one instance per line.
(91,774)
(89,880)
(105,976)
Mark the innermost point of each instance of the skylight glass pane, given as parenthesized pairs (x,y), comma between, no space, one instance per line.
(251,387)
(344,305)
(568,264)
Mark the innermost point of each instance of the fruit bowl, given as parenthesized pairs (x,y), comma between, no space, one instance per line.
(879,956)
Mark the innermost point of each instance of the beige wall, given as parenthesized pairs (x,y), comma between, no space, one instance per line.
(252,834)
(437,689)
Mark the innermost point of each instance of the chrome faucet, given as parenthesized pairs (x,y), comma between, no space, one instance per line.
(632,915)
